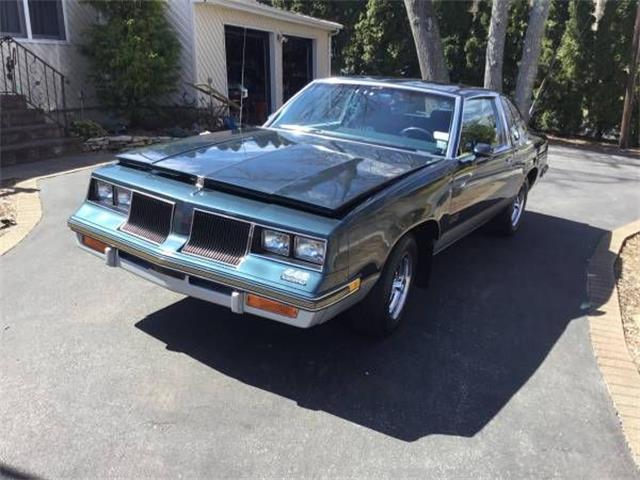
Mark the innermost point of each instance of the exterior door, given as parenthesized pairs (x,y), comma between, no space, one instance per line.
(522,145)
(480,184)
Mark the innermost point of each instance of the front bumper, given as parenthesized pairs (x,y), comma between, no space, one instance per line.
(214,287)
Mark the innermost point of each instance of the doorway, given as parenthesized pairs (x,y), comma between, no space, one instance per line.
(297,65)
(254,88)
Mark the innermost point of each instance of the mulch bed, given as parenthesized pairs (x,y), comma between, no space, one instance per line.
(7,205)
(628,276)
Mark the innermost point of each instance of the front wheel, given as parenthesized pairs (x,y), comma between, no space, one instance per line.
(380,313)
(508,221)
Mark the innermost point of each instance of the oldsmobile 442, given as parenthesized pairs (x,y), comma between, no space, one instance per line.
(336,204)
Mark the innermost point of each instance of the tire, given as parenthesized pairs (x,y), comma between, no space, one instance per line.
(508,221)
(381,311)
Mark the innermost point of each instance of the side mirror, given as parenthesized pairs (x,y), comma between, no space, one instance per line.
(482,150)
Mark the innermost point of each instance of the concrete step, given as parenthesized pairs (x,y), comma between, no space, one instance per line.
(13,117)
(38,150)
(25,133)
(12,101)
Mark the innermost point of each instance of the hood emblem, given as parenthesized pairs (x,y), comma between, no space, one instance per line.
(199,183)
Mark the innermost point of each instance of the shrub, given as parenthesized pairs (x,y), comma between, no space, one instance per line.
(87,129)
(133,55)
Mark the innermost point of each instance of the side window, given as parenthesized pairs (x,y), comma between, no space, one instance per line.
(481,124)
(518,128)
(511,122)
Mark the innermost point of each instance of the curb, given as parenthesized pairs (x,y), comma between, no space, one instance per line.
(607,335)
(29,209)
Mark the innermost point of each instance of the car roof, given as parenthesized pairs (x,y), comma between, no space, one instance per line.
(417,84)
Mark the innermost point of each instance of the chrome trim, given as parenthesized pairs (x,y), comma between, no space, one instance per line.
(314,304)
(155,197)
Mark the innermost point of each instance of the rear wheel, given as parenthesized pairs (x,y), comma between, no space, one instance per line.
(380,313)
(508,221)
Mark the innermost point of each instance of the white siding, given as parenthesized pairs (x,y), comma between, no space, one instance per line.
(200,31)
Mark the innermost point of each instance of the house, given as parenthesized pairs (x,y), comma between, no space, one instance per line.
(272,52)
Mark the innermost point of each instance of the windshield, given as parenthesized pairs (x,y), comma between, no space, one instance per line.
(387,116)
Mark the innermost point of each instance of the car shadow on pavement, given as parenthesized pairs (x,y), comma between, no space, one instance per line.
(494,309)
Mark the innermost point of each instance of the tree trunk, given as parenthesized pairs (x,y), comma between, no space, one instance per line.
(426,36)
(625,123)
(531,55)
(495,44)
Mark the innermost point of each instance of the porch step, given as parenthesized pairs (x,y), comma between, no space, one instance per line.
(38,150)
(13,117)
(12,101)
(25,133)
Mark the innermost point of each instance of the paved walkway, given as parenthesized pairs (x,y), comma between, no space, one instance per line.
(494,375)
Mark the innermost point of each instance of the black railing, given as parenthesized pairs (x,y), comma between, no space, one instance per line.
(42,86)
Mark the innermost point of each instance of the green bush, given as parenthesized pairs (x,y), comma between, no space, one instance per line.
(133,55)
(87,129)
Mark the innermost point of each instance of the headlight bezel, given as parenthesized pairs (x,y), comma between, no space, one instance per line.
(297,243)
(295,239)
(105,194)
(285,250)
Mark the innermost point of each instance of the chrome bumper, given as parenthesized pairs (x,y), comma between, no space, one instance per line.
(221,293)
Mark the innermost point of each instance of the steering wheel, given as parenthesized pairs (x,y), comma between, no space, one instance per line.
(412,131)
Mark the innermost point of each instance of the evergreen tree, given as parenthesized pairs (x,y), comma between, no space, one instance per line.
(611,57)
(381,43)
(133,55)
(563,108)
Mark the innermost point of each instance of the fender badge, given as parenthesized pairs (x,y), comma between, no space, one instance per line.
(295,276)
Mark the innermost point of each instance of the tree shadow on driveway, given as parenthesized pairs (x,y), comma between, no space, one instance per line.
(494,310)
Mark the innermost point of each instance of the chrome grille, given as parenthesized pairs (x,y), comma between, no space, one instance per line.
(149,218)
(218,238)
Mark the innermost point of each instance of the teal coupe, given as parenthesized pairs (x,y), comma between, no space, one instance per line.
(336,204)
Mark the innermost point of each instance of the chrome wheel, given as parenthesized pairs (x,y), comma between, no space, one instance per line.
(400,287)
(517,208)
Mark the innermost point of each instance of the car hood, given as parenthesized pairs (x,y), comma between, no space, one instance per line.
(290,167)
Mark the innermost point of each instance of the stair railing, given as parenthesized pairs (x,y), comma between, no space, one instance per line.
(42,86)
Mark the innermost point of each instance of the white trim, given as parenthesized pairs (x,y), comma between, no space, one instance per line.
(273,89)
(29,34)
(27,18)
(256,8)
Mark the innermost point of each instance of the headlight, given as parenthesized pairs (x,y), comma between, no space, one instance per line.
(104,192)
(111,196)
(123,199)
(309,250)
(276,242)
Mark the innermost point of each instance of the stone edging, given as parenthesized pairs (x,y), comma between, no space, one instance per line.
(28,209)
(607,335)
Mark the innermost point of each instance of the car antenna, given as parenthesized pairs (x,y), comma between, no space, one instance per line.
(244,44)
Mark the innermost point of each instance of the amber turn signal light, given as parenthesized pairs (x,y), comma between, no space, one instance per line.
(272,306)
(94,244)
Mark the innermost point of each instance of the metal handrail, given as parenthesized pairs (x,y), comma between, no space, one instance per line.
(26,74)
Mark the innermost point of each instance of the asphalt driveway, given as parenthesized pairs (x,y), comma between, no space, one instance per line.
(105,375)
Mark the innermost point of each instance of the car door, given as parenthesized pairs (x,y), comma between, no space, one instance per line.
(480,183)
(523,147)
